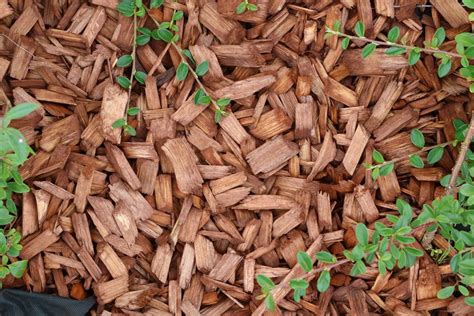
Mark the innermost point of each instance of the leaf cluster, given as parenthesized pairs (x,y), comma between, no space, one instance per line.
(244,6)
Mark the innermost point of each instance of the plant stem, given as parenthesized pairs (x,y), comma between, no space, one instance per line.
(461,157)
(425,149)
(191,70)
(134,57)
(381,43)
(311,273)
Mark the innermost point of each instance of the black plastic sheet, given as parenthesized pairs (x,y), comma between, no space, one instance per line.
(22,303)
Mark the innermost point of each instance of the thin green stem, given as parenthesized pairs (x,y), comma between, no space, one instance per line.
(382,43)
(134,57)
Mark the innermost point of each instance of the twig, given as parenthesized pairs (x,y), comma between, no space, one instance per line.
(381,43)
(461,156)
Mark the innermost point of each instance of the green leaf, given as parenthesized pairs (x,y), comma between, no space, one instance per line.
(382,267)
(469,301)
(393,34)
(359,29)
(417,138)
(413,57)
(299,284)
(445,293)
(416,161)
(368,50)
(385,170)
(133,111)
(298,294)
(126,8)
(142,39)
(6,219)
(463,290)
(19,111)
(182,71)
(18,143)
(119,123)
(468,3)
(375,173)
(435,155)
(178,15)
(325,257)
(465,39)
(362,234)
(323,281)
(395,51)
(241,8)
(18,268)
(413,251)
(162,34)
(202,68)
(444,69)
(187,53)
(144,30)
(200,98)
(466,267)
(140,76)
(18,188)
(252,7)
(377,156)
(467,189)
(304,261)
(345,43)
(358,268)
(223,102)
(124,61)
(124,82)
(156,3)
(270,302)
(218,116)
(129,130)
(265,283)
(440,36)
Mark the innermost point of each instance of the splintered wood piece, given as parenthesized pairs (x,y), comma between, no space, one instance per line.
(249,275)
(452,11)
(271,155)
(324,211)
(114,102)
(29,215)
(161,262)
(22,57)
(5,10)
(103,210)
(95,25)
(54,190)
(287,221)
(82,232)
(225,267)
(355,150)
(126,223)
(271,123)
(266,202)
(184,161)
(383,106)
(186,266)
(245,88)
(357,302)
(39,243)
(164,193)
(112,261)
(133,200)
(326,155)
(206,256)
(229,182)
(367,204)
(108,291)
(122,166)
(83,188)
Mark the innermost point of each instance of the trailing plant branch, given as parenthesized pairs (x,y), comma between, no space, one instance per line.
(382,43)
(461,157)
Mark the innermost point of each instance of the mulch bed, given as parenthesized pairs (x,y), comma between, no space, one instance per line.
(183,216)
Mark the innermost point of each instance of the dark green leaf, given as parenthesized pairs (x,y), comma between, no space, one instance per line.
(444,69)
(345,42)
(142,39)
(393,34)
(187,53)
(156,3)
(144,30)
(413,57)
(18,268)
(395,51)
(178,15)
(304,261)
(368,50)
(377,156)
(202,68)
(467,267)
(416,161)
(359,29)
(417,138)
(140,76)
(445,293)
(124,82)
(119,123)
(469,301)
(126,7)
(182,71)
(124,61)
(382,268)
(323,281)
(467,189)
(133,111)
(362,234)
(385,170)
(325,257)
(413,251)
(241,8)
(18,188)
(405,239)
(435,155)
(163,34)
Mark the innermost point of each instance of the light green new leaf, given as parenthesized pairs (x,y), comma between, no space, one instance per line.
(324,281)
(413,57)
(393,34)
(19,111)
(202,68)
(465,39)
(325,257)
(395,51)
(18,268)
(417,138)
(156,3)
(385,170)
(362,234)
(345,42)
(241,8)
(265,283)
(368,50)
(304,261)
(182,71)
(359,29)
(416,161)
(435,155)
(119,123)
(270,303)
(438,37)
(133,111)
(377,156)
(444,69)
(445,292)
